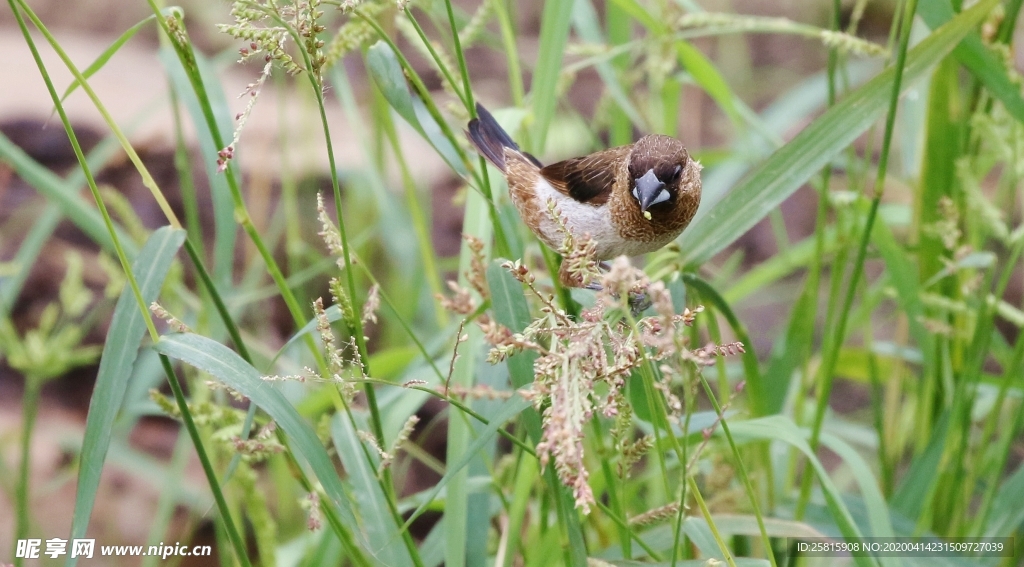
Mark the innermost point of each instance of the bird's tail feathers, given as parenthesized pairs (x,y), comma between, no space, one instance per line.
(491,139)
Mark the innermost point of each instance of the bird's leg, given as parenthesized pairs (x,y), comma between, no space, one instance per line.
(638,303)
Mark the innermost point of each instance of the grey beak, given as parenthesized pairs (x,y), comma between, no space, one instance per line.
(649,190)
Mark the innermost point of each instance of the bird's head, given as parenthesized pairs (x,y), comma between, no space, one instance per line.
(660,172)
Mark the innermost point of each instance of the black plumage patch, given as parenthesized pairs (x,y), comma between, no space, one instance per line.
(589,179)
(491,139)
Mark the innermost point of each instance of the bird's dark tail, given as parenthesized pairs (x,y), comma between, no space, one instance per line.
(491,139)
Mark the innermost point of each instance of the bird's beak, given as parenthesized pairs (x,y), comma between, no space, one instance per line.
(649,190)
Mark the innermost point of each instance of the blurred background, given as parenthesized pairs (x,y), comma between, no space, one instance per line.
(768,72)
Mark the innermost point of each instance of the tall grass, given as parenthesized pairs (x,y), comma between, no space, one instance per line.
(707,452)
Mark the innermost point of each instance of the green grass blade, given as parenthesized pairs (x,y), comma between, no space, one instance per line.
(781,428)
(367,495)
(639,14)
(918,483)
(219,361)
(476,222)
(554,34)
(25,258)
(791,166)
(903,273)
(106,55)
(758,394)
(386,72)
(82,214)
(1007,514)
(508,410)
(708,77)
(512,311)
(877,510)
(225,224)
(982,62)
(586,24)
(119,352)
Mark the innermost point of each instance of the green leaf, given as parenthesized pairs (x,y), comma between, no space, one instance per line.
(386,72)
(225,365)
(641,15)
(919,482)
(119,353)
(758,392)
(511,310)
(878,511)
(903,274)
(982,62)
(793,164)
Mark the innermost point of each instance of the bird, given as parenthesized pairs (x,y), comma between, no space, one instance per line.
(631,199)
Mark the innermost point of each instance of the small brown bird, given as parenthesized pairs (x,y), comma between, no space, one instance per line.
(631,199)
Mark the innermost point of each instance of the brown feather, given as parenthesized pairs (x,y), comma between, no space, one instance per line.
(588,179)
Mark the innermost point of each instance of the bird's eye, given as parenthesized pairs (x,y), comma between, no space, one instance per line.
(676,172)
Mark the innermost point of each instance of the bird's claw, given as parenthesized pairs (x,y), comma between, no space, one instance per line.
(638,303)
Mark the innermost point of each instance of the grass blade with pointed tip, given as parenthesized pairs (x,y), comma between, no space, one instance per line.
(793,164)
(119,352)
(106,55)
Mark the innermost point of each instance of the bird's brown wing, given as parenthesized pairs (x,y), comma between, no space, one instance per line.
(588,179)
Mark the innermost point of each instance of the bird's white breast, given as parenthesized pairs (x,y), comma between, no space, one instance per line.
(581,219)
